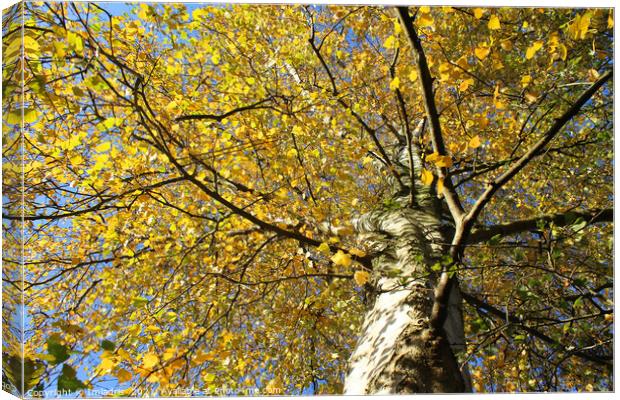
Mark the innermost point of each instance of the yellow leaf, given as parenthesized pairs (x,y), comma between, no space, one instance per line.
(463,62)
(75,41)
(357,252)
(149,361)
(323,248)
(153,329)
(425,20)
(413,75)
(390,42)
(494,23)
(578,28)
(107,364)
(531,51)
(227,336)
(361,277)
(432,157)
(60,49)
(76,160)
(215,57)
(424,9)
(478,13)
(440,186)
(444,161)
(482,122)
(30,116)
(482,52)
(563,51)
(397,28)
(395,84)
(530,97)
(439,160)
(506,44)
(202,357)
(123,375)
(124,354)
(466,84)
(593,75)
(103,147)
(426,177)
(444,71)
(342,258)
(610,21)
(525,80)
(31,44)
(474,142)
(292,153)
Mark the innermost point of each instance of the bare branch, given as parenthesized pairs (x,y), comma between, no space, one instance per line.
(220,117)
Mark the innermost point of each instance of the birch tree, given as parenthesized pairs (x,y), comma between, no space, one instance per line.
(307,199)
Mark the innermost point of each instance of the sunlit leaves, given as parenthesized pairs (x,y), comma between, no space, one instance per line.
(342,258)
(361,277)
(149,361)
(426,177)
(439,160)
(395,83)
(463,86)
(578,28)
(425,20)
(494,23)
(390,43)
(151,261)
(474,142)
(75,42)
(533,49)
(482,51)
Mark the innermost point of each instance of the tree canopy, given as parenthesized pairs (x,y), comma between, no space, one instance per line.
(192,177)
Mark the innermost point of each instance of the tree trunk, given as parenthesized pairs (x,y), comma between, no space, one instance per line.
(397,351)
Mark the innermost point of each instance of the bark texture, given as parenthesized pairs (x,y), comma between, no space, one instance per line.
(397,351)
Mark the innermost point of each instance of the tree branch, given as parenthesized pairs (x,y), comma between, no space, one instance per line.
(559,219)
(464,226)
(605,360)
(501,180)
(452,198)
(220,117)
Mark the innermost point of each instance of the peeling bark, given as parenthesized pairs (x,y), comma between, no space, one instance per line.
(397,351)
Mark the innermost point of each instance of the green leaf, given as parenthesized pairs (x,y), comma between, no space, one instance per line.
(59,351)
(13,370)
(579,224)
(15,117)
(140,301)
(495,240)
(68,382)
(446,259)
(578,303)
(108,345)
